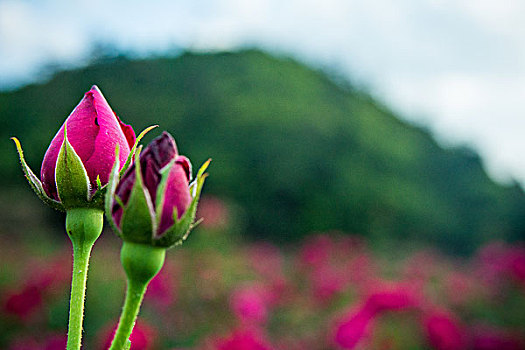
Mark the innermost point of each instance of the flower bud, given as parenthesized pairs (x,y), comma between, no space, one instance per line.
(81,155)
(154,203)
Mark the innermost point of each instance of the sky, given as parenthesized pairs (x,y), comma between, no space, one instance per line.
(456,67)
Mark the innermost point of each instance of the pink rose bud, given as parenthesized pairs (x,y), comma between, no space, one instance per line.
(151,203)
(93,130)
(81,155)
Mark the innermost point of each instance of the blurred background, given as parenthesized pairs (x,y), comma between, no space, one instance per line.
(366,189)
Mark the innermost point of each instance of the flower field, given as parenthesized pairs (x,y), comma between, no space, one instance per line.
(331,291)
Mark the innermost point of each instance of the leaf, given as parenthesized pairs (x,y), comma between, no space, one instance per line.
(71,178)
(34,181)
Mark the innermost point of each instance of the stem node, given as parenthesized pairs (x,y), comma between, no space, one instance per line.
(141,263)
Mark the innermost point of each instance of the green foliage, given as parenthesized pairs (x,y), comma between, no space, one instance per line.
(297,151)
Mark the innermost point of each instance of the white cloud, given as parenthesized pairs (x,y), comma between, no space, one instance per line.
(28,39)
(457,65)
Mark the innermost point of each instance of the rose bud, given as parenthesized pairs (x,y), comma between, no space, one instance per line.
(154,202)
(80,157)
(151,208)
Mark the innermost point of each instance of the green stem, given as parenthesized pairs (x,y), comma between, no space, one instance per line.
(83,227)
(78,291)
(134,295)
(141,263)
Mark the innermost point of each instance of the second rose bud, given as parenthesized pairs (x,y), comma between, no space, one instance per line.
(154,202)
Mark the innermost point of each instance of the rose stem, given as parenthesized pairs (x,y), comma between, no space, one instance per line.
(83,226)
(141,263)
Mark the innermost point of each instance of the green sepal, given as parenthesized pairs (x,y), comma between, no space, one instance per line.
(164,173)
(138,219)
(110,188)
(132,151)
(73,186)
(182,227)
(97,198)
(34,181)
(99,183)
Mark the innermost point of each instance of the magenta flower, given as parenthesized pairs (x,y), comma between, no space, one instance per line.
(214,213)
(25,303)
(398,298)
(81,155)
(93,130)
(24,343)
(353,329)
(490,338)
(55,342)
(50,342)
(250,304)
(444,331)
(162,290)
(327,282)
(154,202)
(316,251)
(142,338)
(243,339)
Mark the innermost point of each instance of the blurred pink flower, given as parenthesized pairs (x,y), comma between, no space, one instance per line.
(162,289)
(459,287)
(498,261)
(444,331)
(52,342)
(42,279)
(268,262)
(250,304)
(55,342)
(327,281)
(490,338)
(517,265)
(51,277)
(210,281)
(243,339)
(21,343)
(349,245)
(316,251)
(361,270)
(24,303)
(293,342)
(395,298)
(142,337)
(266,259)
(420,267)
(353,329)
(213,211)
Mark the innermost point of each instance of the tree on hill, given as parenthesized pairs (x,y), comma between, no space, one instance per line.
(296,151)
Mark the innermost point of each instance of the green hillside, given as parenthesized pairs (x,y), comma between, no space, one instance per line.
(297,152)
